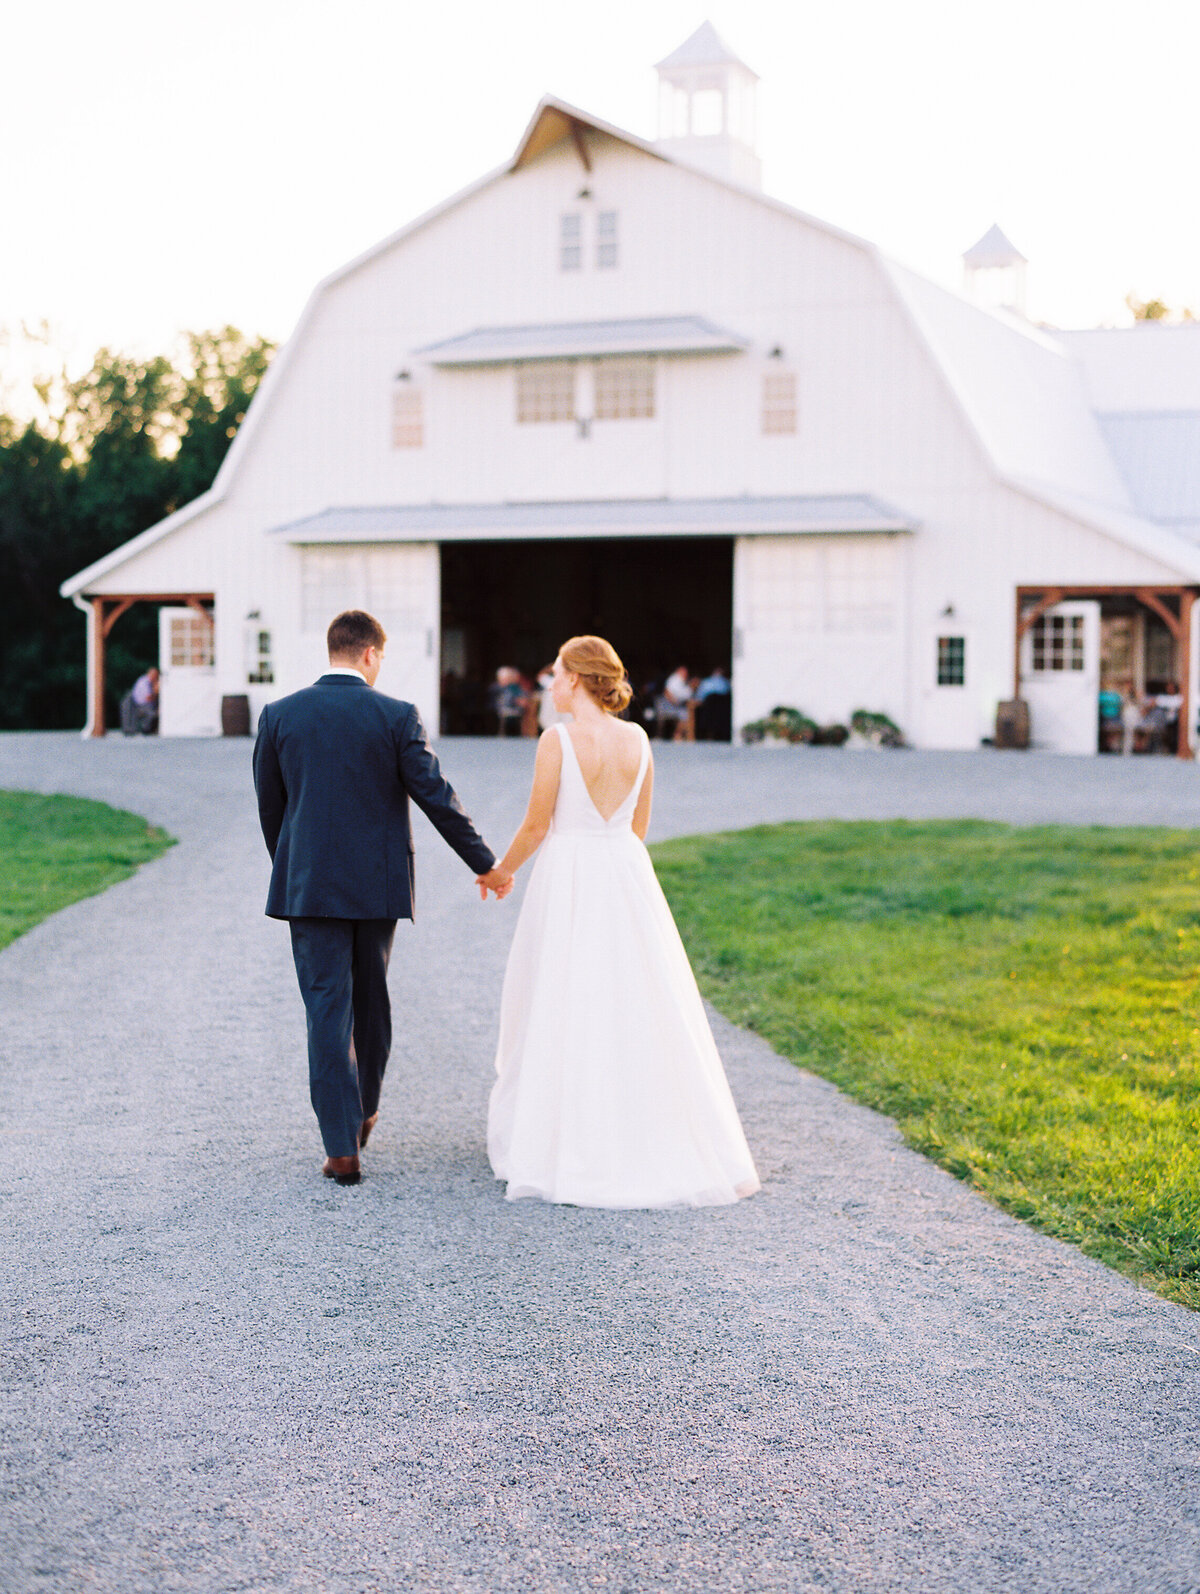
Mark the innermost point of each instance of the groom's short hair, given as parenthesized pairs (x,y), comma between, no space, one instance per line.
(353,631)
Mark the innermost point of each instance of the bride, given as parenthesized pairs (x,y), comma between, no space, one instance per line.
(610,1091)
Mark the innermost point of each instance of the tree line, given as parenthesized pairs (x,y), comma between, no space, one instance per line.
(109,454)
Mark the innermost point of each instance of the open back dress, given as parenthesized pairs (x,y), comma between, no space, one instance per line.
(609,1091)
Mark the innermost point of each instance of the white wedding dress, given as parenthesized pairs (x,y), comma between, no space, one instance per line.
(610,1090)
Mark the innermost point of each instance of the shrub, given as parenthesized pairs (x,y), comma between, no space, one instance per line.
(782,724)
(877,728)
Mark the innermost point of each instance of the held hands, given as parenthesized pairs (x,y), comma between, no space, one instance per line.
(495,880)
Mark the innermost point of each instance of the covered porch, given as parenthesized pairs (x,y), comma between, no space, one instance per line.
(1081,649)
(193,651)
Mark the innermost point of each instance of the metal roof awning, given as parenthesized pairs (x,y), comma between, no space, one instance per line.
(564,340)
(630,517)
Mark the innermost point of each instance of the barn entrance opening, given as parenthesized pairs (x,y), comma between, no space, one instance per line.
(661,602)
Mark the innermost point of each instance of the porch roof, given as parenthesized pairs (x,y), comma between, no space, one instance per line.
(667,334)
(665,517)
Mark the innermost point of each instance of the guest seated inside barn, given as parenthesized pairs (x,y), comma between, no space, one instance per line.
(671,706)
(713,707)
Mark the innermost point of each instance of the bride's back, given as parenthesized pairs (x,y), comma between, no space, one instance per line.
(609,752)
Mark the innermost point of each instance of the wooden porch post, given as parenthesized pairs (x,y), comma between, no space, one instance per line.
(98,726)
(1183,744)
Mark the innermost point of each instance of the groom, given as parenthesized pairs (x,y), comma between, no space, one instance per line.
(334,767)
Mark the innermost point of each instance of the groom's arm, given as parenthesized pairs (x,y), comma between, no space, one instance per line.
(421,775)
(268,784)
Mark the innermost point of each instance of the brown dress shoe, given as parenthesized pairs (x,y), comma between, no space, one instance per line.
(343,1169)
(364,1134)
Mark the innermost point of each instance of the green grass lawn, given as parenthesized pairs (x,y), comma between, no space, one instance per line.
(54,850)
(1022,1002)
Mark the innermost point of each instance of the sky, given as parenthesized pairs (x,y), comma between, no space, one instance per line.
(171,167)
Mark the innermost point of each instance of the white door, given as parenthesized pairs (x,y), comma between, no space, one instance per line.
(187,688)
(952,714)
(1060,677)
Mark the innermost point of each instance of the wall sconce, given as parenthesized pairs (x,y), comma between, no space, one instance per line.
(584,193)
(776,353)
(404,376)
(948,612)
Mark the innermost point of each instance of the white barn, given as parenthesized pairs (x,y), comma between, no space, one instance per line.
(613,386)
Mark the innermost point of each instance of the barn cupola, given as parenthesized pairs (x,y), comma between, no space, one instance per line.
(706,108)
(994,272)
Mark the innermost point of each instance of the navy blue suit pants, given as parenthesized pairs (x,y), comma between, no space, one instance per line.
(341,965)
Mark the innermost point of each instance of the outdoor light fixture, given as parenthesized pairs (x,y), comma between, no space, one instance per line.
(948,612)
(584,193)
(776,353)
(404,376)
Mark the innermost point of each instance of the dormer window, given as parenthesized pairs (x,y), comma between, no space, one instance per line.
(606,239)
(570,242)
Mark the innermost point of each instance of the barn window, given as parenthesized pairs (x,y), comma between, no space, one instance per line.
(408,417)
(606,238)
(624,389)
(260,670)
(384,579)
(546,391)
(951,661)
(190,641)
(860,585)
(570,242)
(779,403)
(1057,643)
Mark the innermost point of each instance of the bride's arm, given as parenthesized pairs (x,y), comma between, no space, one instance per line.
(536,822)
(641,814)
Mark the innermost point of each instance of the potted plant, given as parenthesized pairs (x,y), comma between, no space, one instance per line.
(782,727)
(874,730)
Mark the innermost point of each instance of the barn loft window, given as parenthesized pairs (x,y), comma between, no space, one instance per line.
(546,391)
(606,239)
(624,389)
(779,403)
(570,242)
(1057,643)
(408,417)
(951,661)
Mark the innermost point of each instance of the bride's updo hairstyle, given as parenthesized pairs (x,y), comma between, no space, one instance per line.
(599,669)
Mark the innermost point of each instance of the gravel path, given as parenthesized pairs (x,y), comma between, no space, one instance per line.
(223,1373)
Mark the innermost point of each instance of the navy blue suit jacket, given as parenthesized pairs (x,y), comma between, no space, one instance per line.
(334,768)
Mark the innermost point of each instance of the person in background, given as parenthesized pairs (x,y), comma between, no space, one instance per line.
(508,698)
(547,713)
(673,702)
(1168,705)
(144,700)
(713,706)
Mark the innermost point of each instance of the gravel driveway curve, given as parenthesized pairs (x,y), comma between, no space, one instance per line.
(223,1373)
